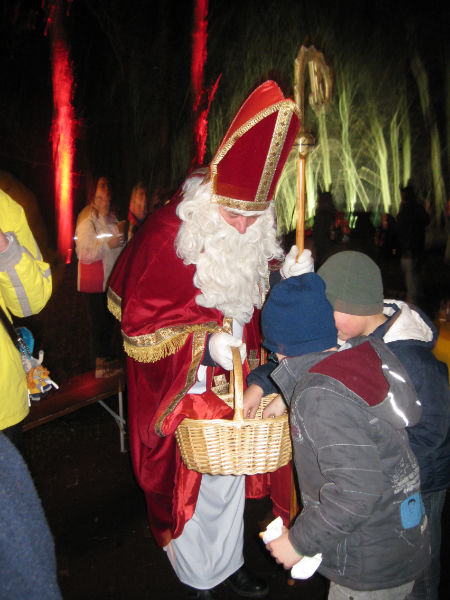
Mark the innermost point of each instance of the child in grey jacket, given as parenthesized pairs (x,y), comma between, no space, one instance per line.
(354,288)
(358,477)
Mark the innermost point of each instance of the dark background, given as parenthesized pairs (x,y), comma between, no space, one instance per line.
(133,97)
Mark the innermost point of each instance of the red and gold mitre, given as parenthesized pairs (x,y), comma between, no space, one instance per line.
(246,167)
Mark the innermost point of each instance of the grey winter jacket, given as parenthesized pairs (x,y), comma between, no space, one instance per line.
(359,479)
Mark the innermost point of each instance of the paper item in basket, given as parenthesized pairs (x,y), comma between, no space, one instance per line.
(306,566)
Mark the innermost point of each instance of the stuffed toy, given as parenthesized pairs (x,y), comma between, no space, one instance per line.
(38,377)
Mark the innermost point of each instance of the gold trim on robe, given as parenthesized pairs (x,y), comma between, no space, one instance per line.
(198,347)
(152,347)
(114,303)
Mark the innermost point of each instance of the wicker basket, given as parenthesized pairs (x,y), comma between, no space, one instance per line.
(237,447)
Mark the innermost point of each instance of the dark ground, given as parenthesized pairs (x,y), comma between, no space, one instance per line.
(94,507)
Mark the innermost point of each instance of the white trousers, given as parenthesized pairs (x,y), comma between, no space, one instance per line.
(210,549)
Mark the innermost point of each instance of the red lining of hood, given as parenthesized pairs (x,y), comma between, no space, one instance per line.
(364,377)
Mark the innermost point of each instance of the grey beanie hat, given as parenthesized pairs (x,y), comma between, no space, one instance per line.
(353,283)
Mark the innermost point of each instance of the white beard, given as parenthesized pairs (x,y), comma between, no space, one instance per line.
(231,267)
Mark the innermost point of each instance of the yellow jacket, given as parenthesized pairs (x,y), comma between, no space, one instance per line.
(25,287)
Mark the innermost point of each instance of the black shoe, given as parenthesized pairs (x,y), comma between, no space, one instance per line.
(244,584)
(193,594)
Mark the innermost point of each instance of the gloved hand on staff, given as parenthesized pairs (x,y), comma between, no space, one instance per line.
(292,267)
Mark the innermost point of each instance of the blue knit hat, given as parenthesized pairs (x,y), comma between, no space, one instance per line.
(297,317)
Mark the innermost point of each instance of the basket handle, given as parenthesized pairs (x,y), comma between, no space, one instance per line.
(237,385)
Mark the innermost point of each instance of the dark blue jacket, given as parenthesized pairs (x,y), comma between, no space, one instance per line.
(411,337)
(261,377)
(27,555)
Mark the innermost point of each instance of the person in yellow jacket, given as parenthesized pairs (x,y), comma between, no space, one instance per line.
(25,287)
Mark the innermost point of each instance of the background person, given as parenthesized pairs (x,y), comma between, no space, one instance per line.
(138,209)
(386,238)
(412,221)
(25,288)
(98,245)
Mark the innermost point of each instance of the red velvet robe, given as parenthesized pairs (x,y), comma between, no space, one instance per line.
(165,333)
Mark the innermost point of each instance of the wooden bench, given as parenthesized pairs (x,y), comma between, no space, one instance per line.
(78,392)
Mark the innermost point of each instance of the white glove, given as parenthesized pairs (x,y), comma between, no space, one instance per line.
(306,566)
(293,267)
(220,345)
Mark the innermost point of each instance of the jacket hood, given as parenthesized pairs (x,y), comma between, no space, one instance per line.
(363,370)
(410,324)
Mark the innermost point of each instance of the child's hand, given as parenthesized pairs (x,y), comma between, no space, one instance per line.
(275,409)
(252,399)
(283,551)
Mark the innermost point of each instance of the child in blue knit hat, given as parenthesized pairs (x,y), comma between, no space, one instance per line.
(359,480)
(297,318)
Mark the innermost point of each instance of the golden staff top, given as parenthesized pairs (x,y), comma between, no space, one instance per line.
(319,98)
